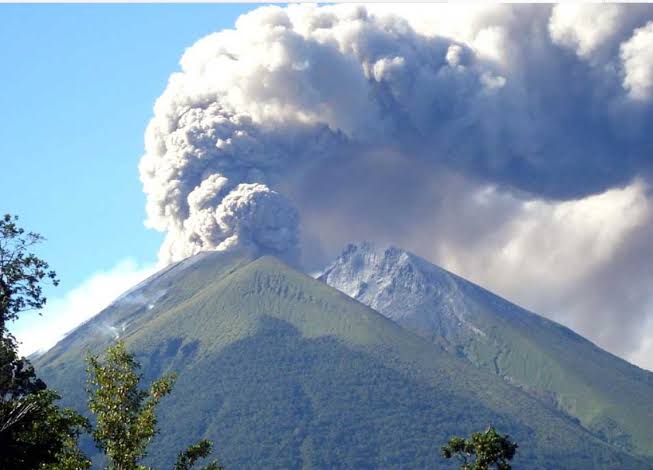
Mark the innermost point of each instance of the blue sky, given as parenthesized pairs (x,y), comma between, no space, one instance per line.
(78,86)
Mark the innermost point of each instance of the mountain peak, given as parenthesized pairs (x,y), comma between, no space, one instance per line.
(385,256)
(392,281)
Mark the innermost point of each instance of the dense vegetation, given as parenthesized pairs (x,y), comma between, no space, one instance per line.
(34,430)
(280,370)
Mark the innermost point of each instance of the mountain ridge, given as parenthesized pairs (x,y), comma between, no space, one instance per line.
(542,357)
(283,371)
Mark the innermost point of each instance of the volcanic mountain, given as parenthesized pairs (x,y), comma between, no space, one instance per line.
(611,398)
(283,371)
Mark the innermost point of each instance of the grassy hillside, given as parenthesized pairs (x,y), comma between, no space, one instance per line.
(610,397)
(282,371)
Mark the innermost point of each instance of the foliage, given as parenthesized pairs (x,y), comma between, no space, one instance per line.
(34,431)
(70,457)
(21,272)
(188,458)
(482,451)
(17,377)
(21,275)
(125,414)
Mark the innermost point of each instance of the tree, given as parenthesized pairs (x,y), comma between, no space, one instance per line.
(125,414)
(188,458)
(22,273)
(34,431)
(482,451)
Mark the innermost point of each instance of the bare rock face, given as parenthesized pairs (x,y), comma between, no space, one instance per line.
(407,289)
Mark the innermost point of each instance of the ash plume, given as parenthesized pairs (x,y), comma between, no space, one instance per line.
(388,121)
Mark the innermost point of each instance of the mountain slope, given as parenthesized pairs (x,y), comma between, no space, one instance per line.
(612,398)
(283,371)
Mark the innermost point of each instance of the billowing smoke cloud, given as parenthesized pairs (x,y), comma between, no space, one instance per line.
(485,138)
(250,217)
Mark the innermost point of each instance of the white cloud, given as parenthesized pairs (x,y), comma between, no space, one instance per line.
(585,262)
(544,236)
(584,27)
(80,303)
(637,56)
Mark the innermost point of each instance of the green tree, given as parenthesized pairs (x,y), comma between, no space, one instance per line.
(125,414)
(482,451)
(37,433)
(22,273)
(21,276)
(188,458)
(34,431)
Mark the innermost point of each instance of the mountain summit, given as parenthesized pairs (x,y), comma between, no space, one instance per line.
(406,289)
(609,396)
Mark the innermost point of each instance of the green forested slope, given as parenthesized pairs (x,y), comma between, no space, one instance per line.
(282,371)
